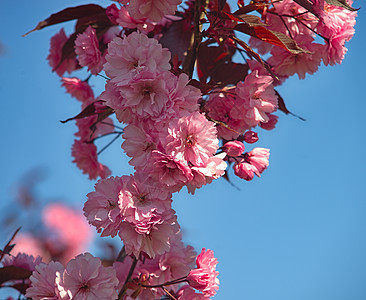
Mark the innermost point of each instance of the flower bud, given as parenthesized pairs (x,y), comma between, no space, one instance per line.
(234,148)
(244,170)
(251,137)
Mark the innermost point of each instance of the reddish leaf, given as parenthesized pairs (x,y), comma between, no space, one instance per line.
(229,73)
(249,19)
(208,58)
(68,14)
(88,111)
(204,87)
(8,247)
(272,37)
(249,8)
(307,5)
(282,107)
(13,273)
(176,39)
(222,4)
(341,3)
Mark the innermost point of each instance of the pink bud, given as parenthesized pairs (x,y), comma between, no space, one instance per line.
(250,137)
(234,148)
(244,171)
(271,122)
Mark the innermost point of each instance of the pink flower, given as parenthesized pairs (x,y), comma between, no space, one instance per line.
(151,236)
(258,157)
(80,90)
(233,148)
(86,278)
(87,49)
(44,281)
(146,96)
(244,170)
(204,277)
(22,260)
(125,20)
(61,222)
(271,124)
(102,209)
(251,137)
(187,293)
(152,9)
(219,108)
(54,58)
(285,63)
(138,145)
(170,170)
(255,97)
(194,137)
(85,157)
(140,197)
(133,54)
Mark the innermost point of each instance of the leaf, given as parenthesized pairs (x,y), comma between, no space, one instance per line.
(341,3)
(68,14)
(229,73)
(249,19)
(249,8)
(271,37)
(13,273)
(208,58)
(176,38)
(222,4)
(282,107)
(308,6)
(8,247)
(88,111)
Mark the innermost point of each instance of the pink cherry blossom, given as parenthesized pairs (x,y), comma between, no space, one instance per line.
(151,236)
(63,234)
(188,293)
(251,137)
(204,277)
(193,136)
(85,157)
(87,49)
(133,54)
(22,260)
(285,63)
(138,145)
(54,58)
(77,88)
(219,108)
(271,124)
(152,9)
(43,281)
(125,20)
(233,148)
(86,278)
(244,170)
(171,170)
(102,209)
(258,157)
(255,98)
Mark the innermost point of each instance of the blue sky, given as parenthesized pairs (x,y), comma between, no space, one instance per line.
(296,233)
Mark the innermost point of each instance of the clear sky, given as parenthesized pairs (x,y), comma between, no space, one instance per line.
(297,233)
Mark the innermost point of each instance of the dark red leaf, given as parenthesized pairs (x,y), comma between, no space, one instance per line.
(282,107)
(68,14)
(222,4)
(249,19)
(13,273)
(249,8)
(341,3)
(272,37)
(9,246)
(229,73)
(176,38)
(88,111)
(208,58)
(204,87)
(307,5)
(21,287)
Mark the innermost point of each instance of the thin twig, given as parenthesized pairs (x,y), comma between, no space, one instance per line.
(124,288)
(110,143)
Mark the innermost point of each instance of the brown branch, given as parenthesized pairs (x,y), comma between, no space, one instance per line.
(124,288)
(190,59)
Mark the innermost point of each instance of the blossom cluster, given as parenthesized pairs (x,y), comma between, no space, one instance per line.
(177,131)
